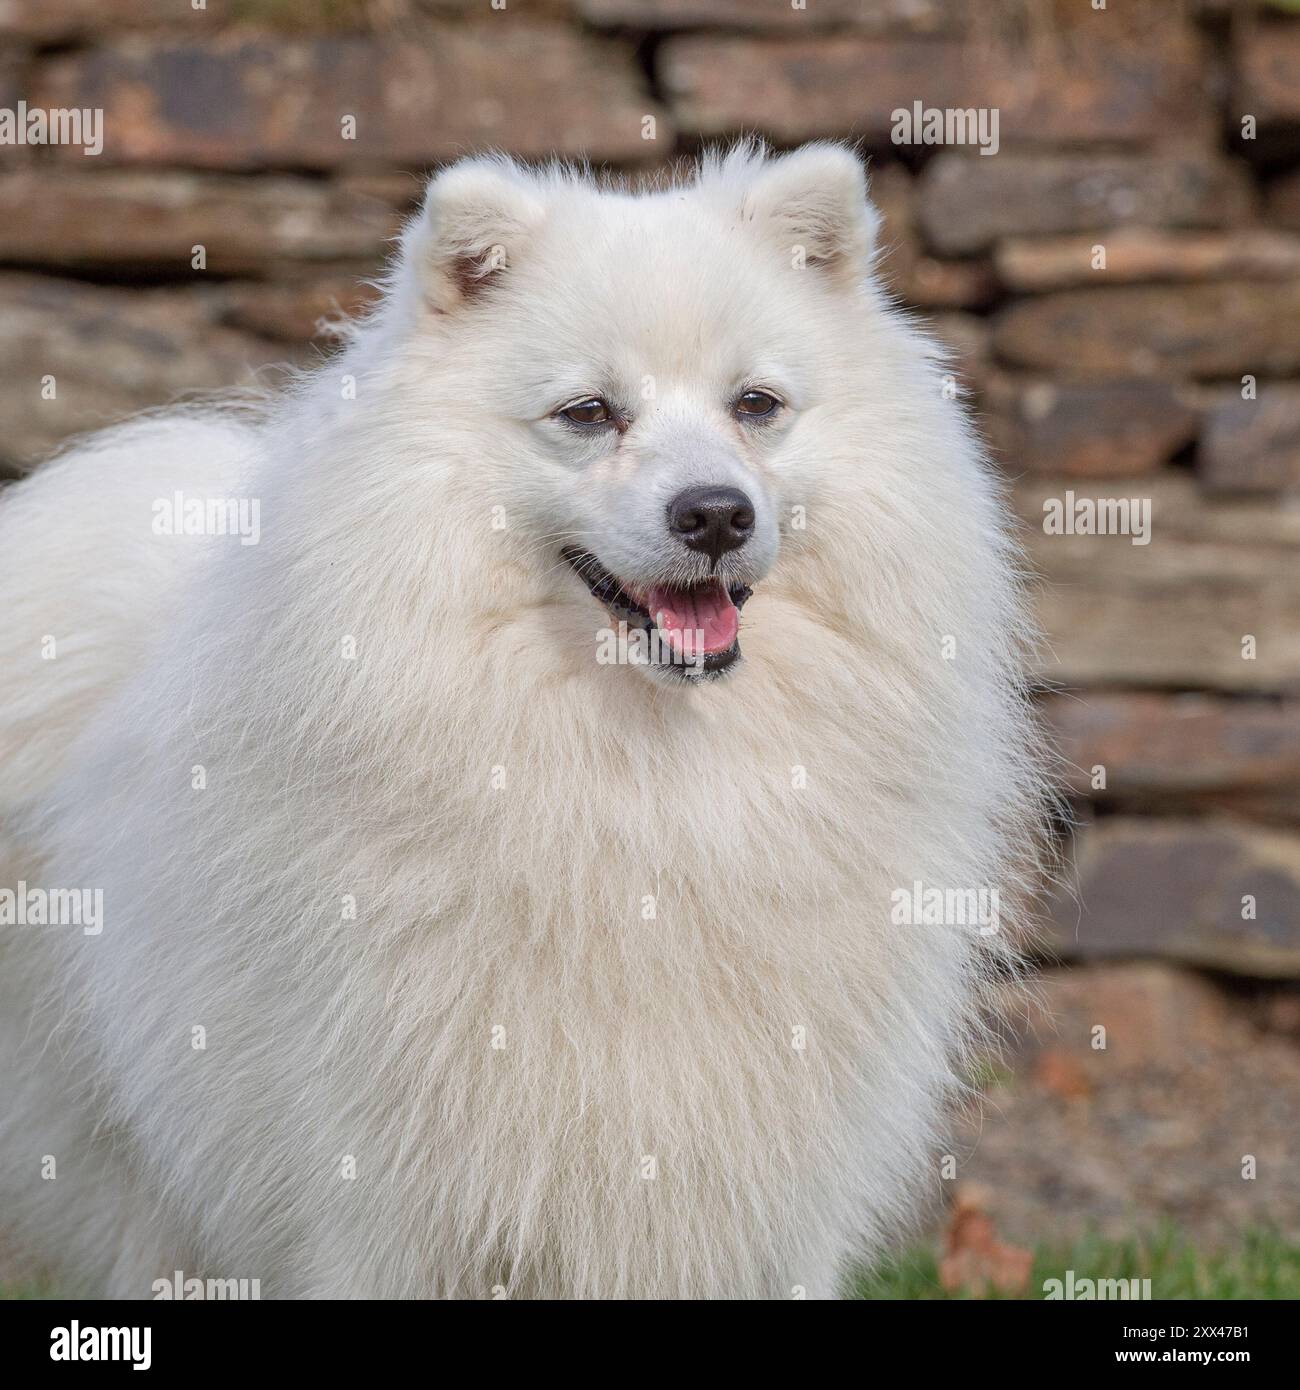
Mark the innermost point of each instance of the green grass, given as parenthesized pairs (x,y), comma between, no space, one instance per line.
(1262,1265)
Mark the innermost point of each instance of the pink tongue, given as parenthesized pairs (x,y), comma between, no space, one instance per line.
(695,622)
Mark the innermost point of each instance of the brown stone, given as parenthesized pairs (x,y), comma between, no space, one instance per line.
(1172,613)
(297,312)
(1139,253)
(795,88)
(780,16)
(914,277)
(893,191)
(1176,888)
(401,190)
(110,353)
(934,284)
(1154,1016)
(1283,203)
(58,21)
(1094,430)
(966,338)
(117,218)
(1280,805)
(13,67)
(1267,61)
(244,102)
(966,202)
(1155,744)
(62,20)
(1206,330)
(1253,445)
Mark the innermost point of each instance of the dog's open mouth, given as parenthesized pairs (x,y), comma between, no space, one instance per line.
(698,626)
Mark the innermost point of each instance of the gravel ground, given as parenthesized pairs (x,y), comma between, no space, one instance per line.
(1195,1075)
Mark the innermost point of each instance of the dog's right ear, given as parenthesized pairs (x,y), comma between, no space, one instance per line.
(814,201)
(475,219)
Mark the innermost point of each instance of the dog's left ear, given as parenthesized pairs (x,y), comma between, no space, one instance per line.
(476,218)
(814,203)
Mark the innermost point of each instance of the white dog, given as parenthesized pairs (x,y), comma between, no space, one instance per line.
(475,919)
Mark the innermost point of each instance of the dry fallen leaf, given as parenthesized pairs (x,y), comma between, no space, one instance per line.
(976,1260)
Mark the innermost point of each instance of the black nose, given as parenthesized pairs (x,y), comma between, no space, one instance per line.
(712,519)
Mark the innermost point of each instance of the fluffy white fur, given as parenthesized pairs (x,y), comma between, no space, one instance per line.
(500,806)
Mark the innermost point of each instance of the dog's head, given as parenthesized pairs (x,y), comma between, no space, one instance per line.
(655,375)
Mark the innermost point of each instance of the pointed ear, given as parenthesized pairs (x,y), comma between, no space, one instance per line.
(476,218)
(814,200)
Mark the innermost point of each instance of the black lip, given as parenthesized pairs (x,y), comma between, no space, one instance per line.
(608,590)
(714,663)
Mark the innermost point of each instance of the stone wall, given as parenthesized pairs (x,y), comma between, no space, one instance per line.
(284,137)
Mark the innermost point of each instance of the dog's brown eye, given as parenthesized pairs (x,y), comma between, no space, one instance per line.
(756,404)
(592,412)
